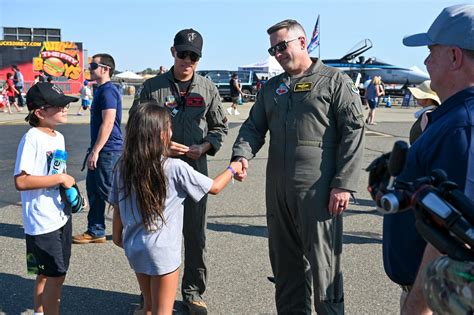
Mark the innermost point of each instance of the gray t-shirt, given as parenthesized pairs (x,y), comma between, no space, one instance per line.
(159,252)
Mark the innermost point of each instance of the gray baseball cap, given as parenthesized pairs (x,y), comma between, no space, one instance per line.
(454,26)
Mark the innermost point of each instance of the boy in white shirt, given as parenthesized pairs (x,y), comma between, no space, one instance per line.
(47,227)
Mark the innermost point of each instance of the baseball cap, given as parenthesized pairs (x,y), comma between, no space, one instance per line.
(45,93)
(424,91)
(454,26)
(188,40)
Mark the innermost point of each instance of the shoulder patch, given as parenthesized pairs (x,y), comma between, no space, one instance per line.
(352,87)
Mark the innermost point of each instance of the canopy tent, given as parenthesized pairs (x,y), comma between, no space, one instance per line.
(129,75)
(269,66)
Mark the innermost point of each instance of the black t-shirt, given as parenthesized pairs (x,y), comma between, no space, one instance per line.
(234,92)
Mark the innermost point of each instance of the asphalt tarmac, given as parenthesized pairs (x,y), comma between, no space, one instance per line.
(100,280)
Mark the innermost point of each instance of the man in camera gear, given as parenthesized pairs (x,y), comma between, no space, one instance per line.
(447,144)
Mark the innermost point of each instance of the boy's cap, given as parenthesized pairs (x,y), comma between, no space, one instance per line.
(454,26)
(45,93)
(188,40)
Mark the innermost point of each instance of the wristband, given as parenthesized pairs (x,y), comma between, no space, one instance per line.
(231,169)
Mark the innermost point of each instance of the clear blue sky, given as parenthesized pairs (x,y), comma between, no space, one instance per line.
(139,33)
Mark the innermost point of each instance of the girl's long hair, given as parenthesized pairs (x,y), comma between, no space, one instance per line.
(141,166)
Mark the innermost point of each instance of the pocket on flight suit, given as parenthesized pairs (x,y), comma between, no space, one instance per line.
(197,123)
(354,116)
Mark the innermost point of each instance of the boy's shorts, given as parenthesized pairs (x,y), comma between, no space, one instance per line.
(48,254)
(12,99)
(85,104)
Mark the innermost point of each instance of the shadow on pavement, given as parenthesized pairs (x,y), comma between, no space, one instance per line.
(361,238)
(12,230)
(243,229)
(17,297)
(261,231)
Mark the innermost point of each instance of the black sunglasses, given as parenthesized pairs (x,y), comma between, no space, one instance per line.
(95,65)
(58,107)
(280,47)
(184,54)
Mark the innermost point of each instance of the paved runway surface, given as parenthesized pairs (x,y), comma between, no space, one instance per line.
(100,280)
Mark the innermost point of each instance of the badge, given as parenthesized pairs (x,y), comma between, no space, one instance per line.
(171,101)
(282,89)
(303,87)
(353,88)
(174,111)
(194,101)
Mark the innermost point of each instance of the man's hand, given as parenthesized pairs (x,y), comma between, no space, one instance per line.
(92,160)
(242,175)
(178,149)
(197,150)
(338,201)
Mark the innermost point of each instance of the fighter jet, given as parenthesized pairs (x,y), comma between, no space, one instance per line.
(359,68)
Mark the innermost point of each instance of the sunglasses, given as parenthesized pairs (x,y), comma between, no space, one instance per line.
(95,65)
(59,108)
(185,54)
(280,47)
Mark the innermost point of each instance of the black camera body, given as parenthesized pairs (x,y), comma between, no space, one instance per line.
(444,215)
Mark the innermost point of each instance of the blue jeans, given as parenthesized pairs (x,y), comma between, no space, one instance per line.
(98,184)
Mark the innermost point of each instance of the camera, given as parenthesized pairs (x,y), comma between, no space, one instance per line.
(444,215)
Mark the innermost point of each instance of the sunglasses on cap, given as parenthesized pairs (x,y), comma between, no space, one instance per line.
(95,65)
(184,54)
(280,47)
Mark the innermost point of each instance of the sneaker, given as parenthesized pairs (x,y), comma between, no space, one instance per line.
(229,110)
(80,114)
(86,238)
(197,307)
(236,112)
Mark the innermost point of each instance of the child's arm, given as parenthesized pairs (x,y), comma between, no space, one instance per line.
(117,227)
(224,178)
(24,181)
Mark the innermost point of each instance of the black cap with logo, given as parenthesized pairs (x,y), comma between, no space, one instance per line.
(188,40)
(47,94)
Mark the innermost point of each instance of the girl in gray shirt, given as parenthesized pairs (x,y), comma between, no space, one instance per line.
(148,192)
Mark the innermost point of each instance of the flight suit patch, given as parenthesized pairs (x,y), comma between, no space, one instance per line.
(171,101)
(353,88)
(194,101)
(282,89)
(303,87)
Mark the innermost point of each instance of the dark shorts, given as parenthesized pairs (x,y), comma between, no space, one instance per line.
(12,99)
(372,103)
(48,254)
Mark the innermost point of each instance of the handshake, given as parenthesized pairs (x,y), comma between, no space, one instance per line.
(239,169)
(195,151)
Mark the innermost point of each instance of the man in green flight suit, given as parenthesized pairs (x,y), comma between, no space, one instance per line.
(314,116)
(199,127)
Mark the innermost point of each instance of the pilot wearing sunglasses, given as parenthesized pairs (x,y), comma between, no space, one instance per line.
(199,128)
(314,116)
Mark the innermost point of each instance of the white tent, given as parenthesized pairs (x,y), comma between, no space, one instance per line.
(129,75)
(269,66)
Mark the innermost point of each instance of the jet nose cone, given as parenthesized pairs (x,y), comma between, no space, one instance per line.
(416,76)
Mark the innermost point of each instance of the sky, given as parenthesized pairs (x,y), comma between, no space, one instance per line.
(139,33)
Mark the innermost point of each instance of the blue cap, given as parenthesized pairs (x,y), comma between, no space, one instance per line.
(86,82)
(454,26)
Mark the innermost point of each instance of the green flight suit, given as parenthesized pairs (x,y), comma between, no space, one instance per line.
(198,118)
(316,130)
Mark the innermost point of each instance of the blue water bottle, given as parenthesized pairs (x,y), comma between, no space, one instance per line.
(58,162)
